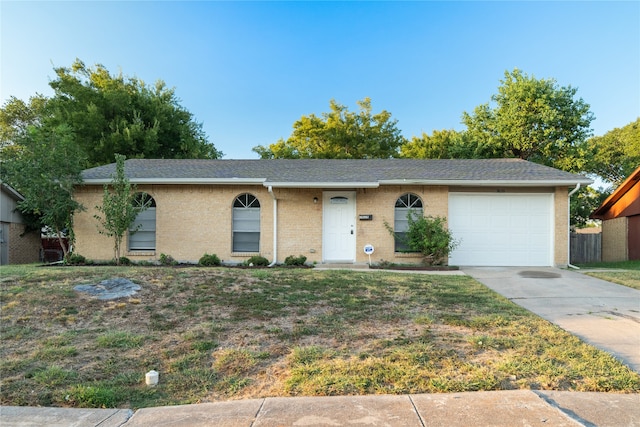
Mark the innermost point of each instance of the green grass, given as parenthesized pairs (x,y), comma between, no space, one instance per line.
(625,273)
(216,334)
(623,265)
(630,278)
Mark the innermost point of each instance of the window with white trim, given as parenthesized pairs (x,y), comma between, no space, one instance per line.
(142,232)
(406,204)
(246,223)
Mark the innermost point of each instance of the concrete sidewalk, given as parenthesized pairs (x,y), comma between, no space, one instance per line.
(600,313)
(496,408)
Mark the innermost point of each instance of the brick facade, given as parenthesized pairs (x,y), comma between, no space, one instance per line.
(192,220)
(23,249)
(614,242)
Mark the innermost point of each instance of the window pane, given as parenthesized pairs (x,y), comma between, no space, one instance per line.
(405,204)
(400,246)
(145,236)
(142,240)
(246,219)
(246,224)
(246,242)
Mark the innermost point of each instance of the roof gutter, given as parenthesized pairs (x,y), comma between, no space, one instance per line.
(284,184)
(193,181)
(484,183)
(569,227)
(275,227)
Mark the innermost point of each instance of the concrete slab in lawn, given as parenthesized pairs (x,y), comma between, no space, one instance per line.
(601,313)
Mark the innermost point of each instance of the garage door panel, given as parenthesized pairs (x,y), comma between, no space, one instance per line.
(501,229)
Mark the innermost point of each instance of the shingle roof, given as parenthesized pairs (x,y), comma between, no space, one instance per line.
(330,172)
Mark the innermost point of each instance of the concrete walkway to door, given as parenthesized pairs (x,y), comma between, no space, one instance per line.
(601,313)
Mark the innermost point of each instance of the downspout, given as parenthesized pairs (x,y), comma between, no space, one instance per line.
(569,224)
(275,227)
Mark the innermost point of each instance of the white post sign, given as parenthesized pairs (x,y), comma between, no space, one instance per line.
(368,249)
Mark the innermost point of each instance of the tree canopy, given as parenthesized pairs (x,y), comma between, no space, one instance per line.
(441,144)
(533,119)
(114,114)
(44,168)
(339,134)
(616,154)
(16,116)
(110,114)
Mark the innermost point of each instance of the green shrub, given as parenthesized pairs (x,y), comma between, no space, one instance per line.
(257,261)
(210,260)
(427,235)
(75,259)
(293,260)
(167,260)
(125,261)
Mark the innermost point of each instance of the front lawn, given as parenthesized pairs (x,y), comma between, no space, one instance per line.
(220,333)
(625,273)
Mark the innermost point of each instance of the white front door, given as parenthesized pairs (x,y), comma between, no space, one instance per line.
(338,226)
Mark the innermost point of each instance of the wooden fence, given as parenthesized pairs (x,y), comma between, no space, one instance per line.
(585,248)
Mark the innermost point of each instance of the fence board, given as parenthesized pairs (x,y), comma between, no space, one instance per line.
(585,248)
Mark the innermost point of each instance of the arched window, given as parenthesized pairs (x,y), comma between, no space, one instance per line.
(406,204)
(246,223)
(142,233)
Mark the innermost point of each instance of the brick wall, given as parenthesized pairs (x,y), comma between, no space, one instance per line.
(380,202)
(561,227)
(614,240)
(23,249)
(195,219)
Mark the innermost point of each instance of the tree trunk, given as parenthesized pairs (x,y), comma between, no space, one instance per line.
(65,250)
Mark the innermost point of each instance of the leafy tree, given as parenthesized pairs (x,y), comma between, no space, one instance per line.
(339,134)
(533,119)
(16,116)
(44,168)
(583,203)
(616,154)
(117,114)
(111,114)
(119,207)
(442,144)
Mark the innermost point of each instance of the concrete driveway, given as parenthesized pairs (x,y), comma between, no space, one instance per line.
(601,313)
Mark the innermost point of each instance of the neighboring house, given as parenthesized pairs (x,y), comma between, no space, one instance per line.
(16,247)
(504,211)
(620,215)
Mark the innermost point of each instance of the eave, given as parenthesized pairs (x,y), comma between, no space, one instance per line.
(618,193)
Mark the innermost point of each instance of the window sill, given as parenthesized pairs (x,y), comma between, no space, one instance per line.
(408,255)
(140,253)
(244,254)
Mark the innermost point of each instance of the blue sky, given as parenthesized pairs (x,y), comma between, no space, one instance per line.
(249,70)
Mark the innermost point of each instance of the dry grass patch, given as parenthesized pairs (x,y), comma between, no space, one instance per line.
(630,278)
(216,333)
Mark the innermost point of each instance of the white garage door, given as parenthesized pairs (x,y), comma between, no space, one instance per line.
(502,229)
